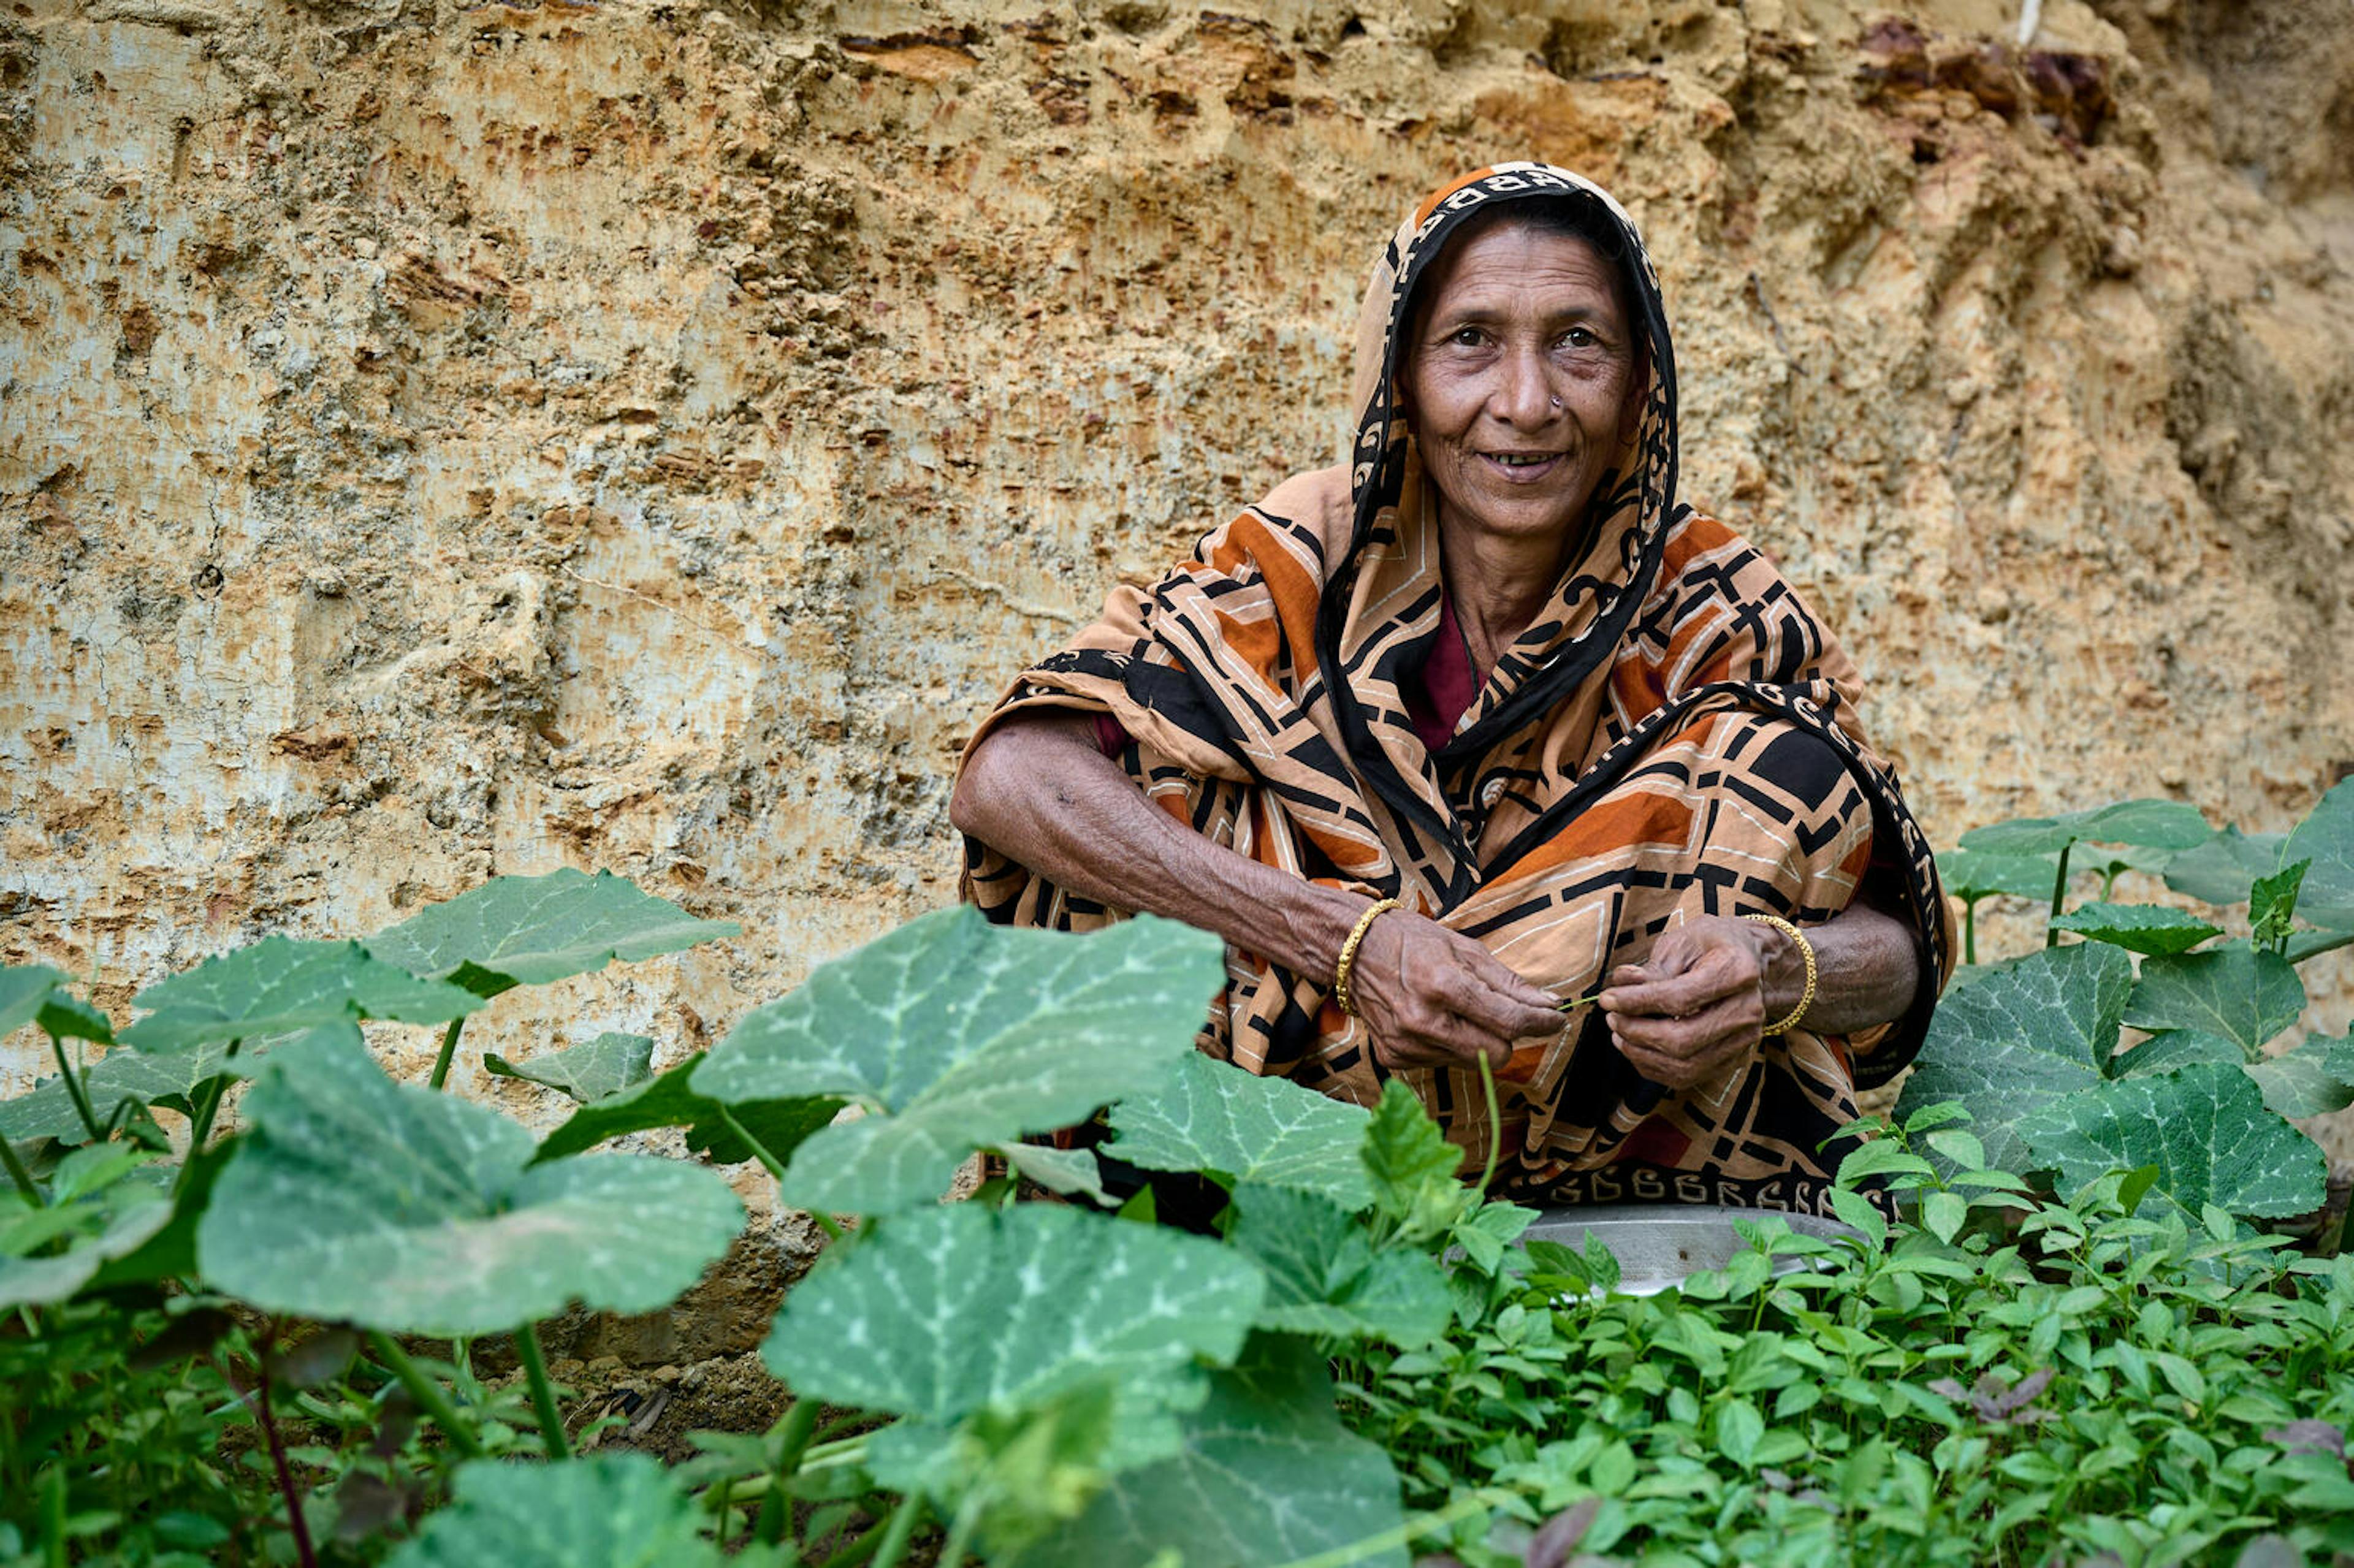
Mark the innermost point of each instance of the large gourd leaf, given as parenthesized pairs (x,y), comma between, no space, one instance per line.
(608,1511)
(2327,839)
(356,1197)
(954,1034)
(170,1080)
(1213,1116)
(279,985)
(668,1099)
(2222,870)
(2019,1035)
(2205,1128)
(2148,928)
(1266,1475)
(2172,1048)
(2313,1079)
(529,930)
(2151,824)
(590,1071)
(1324,1278)
(104,1203)
(952,1311)
(24,988)
(1972,874)
(2245,994)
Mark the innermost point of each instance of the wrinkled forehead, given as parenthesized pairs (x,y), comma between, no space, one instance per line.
(1586,245)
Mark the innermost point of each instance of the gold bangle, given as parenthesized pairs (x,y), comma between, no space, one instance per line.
(1807,952)
(1349,954)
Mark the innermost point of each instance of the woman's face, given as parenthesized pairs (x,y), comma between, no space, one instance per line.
(1517,378)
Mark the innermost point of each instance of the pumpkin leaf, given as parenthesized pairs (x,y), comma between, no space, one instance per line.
(2172,1048)
(1972,874)
(2243,993)
(2149,824)
(2206,1128)
(608,1510)
(2019,1035)
(390,1206)
(530,930)
(668,1099)
(955,1035)
(586,1073)
(24,990)
(1213,1116)
(1073,1173)
(2138,927)
(2312,1079)
(2326,838)
(1323,1276)
(278,986)
(2222,870)
(106,1200)
(171,1080)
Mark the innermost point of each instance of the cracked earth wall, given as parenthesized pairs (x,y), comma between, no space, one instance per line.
(442,441)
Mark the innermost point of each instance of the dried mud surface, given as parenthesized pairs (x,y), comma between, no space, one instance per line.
(438,441)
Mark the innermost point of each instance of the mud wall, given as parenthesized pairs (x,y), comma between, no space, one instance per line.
(442,442)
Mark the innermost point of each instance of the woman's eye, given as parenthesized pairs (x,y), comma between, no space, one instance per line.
(1467,337)
(1579,337)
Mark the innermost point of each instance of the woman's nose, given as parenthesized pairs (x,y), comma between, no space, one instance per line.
(1524,397)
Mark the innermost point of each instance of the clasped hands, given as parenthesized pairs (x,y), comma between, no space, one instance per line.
(1432,997)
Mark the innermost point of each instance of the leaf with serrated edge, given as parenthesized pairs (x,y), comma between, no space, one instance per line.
(170,1080)
(607,1510)
(2172,1048)
(585,1073)
(2020,1034)
(2138,928)
(2244,994)
(23,989)
(2153,824)
(1323,1276)
(1266,1475)
(279,985)
(390,1206)
(957,1035)
(2312,1079)
(2325,837)
(1060,1297)
(2204,1126)
(529,930)
(1214,1117)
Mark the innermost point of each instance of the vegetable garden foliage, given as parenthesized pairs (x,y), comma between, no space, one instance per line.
(213,1356)
(2037,1048)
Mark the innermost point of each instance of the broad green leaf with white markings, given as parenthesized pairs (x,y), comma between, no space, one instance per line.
(607,1510)
(529,930)
(1214,1117)
(2138,928)
(2312,1079)
(170,1080)
(587,1072)
(2222,870)
(1268,1475)
(1973,875)
(2243,993)
(2172,1048)
(2326,838)
(387,1205)
(2042,1026)
(668,1099)
(2205,1128)
(2152,824)
(1323,1276)
(1073,1173)
(955,1035)
(952,1310)
(106,1200)
(279,985)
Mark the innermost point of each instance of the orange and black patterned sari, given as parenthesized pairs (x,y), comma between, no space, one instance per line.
(1675,734)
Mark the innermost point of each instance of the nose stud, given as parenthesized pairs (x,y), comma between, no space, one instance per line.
(1556,402)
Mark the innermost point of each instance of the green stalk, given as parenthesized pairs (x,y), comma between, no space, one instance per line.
(76,1091)
(860,1550)
(2058,896)
(428,1393)
(960,1541)
(19,1175)
(201,1128)
(793,1441)
(1495,1122)
(448,1050)
(776,1169)
(1574,1002)
(1970,931)
(903,1525)
(543,1397)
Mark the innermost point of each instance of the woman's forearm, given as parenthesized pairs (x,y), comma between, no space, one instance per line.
(1039,792)
(1867,969)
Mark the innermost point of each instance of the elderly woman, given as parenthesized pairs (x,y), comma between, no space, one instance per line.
(1446,739)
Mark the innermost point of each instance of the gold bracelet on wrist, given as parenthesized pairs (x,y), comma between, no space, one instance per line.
(1807,952)
(1341,970)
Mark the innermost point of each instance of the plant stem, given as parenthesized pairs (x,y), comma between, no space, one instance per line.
(960,1541)
(2058,896)
(793,1441)
(201,1126)
(543,1397)
(1392,1538)
(775,1170)
(1574,1002)
(305,1552)
(1970,931)
(1495,1122)
(428,1393)
(19,1175)
(76,1091)
(860,1550)
(895,1539)
(448,1050)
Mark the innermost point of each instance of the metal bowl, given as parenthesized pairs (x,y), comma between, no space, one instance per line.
(1658,1245)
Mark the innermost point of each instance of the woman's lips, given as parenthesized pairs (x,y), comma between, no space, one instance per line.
(1520,472)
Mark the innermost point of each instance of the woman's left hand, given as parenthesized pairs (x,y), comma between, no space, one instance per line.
(1696,1009)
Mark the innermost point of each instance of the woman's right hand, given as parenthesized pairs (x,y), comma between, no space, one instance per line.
(1431,997)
